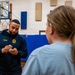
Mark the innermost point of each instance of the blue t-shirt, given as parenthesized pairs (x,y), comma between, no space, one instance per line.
(54,59)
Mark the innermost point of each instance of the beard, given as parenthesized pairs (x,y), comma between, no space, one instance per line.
(12,34)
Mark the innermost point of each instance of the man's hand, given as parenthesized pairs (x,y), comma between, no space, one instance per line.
(13,51)
(6,49)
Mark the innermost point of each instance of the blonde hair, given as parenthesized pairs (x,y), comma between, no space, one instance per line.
(63,22)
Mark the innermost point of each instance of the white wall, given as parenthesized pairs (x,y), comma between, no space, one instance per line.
(33,26)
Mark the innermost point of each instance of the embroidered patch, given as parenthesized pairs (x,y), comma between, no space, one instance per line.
(14,41)
(5,40)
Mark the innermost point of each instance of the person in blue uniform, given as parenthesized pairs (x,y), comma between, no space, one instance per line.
(12,48)
(57,58)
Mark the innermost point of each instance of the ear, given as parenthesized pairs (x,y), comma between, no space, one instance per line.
(51,29)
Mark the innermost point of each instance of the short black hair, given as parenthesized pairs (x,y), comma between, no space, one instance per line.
(16,21)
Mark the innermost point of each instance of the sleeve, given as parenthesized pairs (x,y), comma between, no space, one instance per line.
(0,51)
(22,51)
(1,54)
(31,67)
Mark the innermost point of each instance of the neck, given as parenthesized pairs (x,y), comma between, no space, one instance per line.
(62,40)
(57,38)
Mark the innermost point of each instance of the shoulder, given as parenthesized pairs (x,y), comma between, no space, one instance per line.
(52,48)
(39,50)
(20,37)
(56,50)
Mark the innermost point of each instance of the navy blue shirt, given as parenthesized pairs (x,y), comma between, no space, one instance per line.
(8,62)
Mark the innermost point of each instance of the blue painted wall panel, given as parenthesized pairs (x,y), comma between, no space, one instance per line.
(24,20)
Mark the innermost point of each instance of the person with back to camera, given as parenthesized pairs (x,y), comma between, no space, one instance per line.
(12,48)
(58,58)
